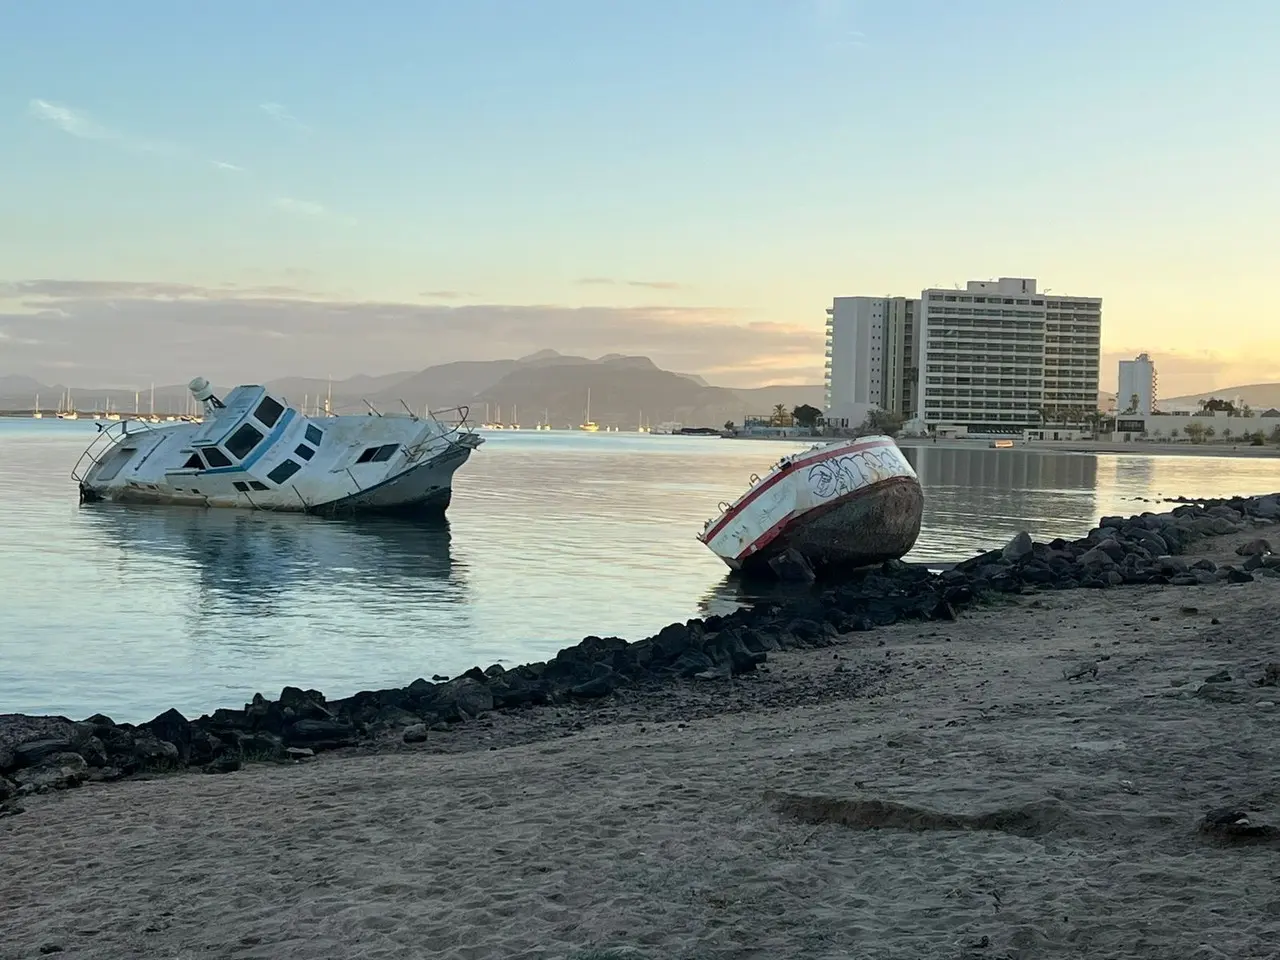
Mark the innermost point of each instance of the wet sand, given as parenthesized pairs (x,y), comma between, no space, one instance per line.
(1025,782)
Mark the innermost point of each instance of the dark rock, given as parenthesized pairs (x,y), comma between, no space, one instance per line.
(33,752)
(1222,676)
(415,734)
(1235,825)
(320,734)
(1254,548)
(151,752)
(1017,548)
(227,763)
(55,772)
(8,789)
(299,753)
(173,727)
(1253,562)
(259,746)
(462,699)
(791,566)
(1239,576)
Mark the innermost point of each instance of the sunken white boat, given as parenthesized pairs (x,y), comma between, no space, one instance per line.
(847,504)
(256,452)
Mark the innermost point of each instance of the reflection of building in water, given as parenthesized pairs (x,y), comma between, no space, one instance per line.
(1014,471)
(979,498)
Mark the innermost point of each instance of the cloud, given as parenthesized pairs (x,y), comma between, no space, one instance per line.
(281,114)
(645,284)
(240,334)
(77,123)
(306,208)
(231,167)
(445,295)
(70,121)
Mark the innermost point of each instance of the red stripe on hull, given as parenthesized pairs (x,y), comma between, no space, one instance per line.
(838,450)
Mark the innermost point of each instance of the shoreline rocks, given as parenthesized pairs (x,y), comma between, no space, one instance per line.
(38,754)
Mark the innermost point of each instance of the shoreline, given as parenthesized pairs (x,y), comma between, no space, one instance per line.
(38,754)
(1045,775)
(1144,448)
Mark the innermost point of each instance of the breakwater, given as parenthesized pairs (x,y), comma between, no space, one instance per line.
(44,753)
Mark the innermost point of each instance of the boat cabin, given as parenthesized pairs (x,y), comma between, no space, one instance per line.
(248,426)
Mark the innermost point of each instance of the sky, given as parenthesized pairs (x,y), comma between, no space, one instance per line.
(244,190)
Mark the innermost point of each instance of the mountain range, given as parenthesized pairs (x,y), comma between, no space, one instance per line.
(623,391)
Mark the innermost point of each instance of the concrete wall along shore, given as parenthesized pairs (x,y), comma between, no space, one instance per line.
(38,754)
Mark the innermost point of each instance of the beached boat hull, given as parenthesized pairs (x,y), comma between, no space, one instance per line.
(846,504)
(256,452)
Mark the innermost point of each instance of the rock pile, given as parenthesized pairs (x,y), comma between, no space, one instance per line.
(42,753)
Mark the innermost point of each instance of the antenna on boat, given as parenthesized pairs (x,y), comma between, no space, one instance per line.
(201,390)
(412,415)
(372,408)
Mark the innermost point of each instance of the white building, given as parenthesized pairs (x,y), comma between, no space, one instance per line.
(999,357)
(1137,390)
(872,356)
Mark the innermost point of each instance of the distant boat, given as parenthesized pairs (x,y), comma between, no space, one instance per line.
(589,425)
(36,413)
(70,412)
(256,452)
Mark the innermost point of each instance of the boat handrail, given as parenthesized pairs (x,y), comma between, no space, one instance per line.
(107,438)
(754,479)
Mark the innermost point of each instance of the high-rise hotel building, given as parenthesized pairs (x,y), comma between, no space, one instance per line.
(996,357)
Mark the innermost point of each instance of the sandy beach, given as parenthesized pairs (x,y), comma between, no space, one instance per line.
(1024,782)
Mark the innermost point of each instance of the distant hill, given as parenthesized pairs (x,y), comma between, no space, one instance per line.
(544,384)
(1260,396)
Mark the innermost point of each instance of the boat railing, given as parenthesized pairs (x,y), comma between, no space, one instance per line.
(107,438)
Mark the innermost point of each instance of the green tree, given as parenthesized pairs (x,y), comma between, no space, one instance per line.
(1209,432)
(881,422)
(780,417)
(1275,435)
(806,416)
(1195,431)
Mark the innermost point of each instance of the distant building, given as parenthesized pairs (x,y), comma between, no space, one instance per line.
(999,357)
(872,357)
(1137,391)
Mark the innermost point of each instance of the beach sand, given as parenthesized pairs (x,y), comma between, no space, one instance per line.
(663,827)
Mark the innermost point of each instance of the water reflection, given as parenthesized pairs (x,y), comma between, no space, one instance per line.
(256,556)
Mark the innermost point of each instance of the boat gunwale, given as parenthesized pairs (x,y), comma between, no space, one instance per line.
(786,466)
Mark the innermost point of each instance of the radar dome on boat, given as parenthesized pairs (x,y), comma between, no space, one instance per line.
(201,389)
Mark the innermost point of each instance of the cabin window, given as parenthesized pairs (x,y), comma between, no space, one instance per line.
(367,455)
(241,486)
(244,440)
(193,463)
(305,452)
(268,412)
(216,457)
(314,435)
(284,471)
(258,485)
(386,452)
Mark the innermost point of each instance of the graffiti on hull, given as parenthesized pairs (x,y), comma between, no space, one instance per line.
(854,471)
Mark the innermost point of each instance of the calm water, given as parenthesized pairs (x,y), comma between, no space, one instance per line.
(551,537)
